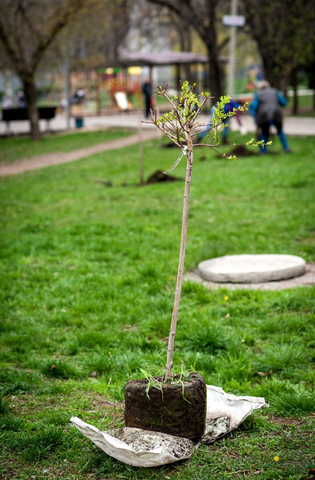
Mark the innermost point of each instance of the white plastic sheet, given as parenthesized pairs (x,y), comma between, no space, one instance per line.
(226,412)
(137,447)
(142,448)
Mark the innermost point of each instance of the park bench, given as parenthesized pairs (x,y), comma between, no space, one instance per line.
(19,114)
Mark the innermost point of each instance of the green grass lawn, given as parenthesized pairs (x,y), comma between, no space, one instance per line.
(87,282)
(22,147)
(305,106)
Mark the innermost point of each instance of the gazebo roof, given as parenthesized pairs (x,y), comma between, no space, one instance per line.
(152,59)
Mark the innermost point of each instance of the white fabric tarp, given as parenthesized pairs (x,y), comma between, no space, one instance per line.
(142,448)
(226,412)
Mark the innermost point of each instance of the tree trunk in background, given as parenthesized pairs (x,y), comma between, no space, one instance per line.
(312,82)
(202,16)
(27,29)
(282,31)
(215,79)
(269,66)
(294,78)
(209,36)
(185,45)
(30,95)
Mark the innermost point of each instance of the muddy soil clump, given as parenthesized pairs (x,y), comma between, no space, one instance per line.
(177,408)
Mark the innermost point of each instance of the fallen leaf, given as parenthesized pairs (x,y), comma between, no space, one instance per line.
(263,374)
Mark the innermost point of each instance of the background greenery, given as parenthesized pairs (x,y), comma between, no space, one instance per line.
(87,282)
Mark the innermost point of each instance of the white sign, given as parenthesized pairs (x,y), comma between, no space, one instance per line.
(121,99)
(234,20)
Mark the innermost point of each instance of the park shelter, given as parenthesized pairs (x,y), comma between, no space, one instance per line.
(122,67)
(155,59)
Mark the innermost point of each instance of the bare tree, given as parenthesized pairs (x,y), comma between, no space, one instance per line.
(27,28)
(202,16)
(93,46)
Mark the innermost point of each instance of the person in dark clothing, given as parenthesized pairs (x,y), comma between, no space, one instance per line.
(21,99)
(147,92)
(266,111)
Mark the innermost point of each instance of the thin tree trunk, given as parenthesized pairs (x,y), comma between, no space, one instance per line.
(30,94)
(180,274)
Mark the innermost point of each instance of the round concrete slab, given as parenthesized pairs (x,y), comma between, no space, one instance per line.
(251,268)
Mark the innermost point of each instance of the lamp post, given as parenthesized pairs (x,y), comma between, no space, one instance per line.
(233,21)
(232,51)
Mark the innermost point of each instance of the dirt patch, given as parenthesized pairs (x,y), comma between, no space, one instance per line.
(286,421)
(238,151)
(168,145)
(158,176)
(242,151)
(98,400)
(177,409)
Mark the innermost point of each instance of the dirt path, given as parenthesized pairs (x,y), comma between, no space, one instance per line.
(56,158)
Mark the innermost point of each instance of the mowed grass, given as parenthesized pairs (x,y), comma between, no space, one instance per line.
(12,148)
(306,103)
(87,282)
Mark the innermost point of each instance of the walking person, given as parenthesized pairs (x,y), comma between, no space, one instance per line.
(266,110)
(147,92)
(21,99)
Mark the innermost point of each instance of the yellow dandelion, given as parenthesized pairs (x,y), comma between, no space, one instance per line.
(226,298)
(276,458)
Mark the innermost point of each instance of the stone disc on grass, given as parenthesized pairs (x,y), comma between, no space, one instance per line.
(251,268)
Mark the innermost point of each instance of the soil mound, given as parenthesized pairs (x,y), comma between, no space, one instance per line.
(241,151)
(158,176)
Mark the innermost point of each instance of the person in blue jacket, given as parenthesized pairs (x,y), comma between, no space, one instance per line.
(266,110)
(228,107)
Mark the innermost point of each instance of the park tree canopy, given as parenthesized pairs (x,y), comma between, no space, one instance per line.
(284,32)
(202,16)
(27,28)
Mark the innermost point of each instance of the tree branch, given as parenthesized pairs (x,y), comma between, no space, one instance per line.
(70,10)
(7,44)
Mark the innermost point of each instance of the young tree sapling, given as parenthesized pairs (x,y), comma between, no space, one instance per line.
(181,125)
